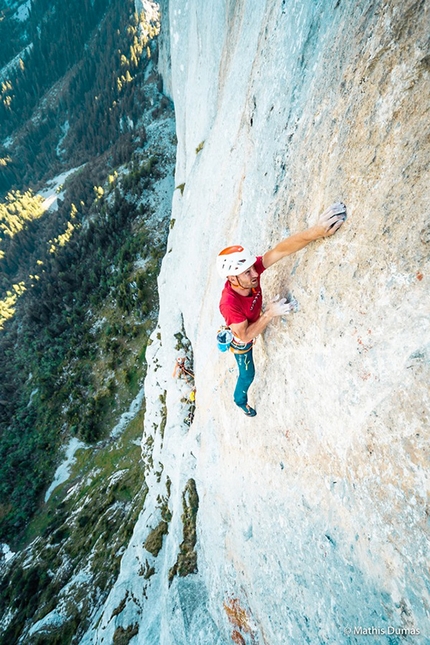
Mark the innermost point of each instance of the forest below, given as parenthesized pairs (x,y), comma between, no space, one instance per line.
(77,89)
(74,101)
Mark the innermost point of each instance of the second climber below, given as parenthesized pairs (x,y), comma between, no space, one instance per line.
(242,300)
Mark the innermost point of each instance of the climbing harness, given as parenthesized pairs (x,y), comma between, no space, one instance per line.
(241,348)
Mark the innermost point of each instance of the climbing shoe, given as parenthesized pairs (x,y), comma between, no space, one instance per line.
(250,412)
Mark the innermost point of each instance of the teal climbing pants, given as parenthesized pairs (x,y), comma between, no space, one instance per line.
(245,363)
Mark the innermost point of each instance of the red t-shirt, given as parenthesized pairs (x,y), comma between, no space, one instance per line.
(236,308)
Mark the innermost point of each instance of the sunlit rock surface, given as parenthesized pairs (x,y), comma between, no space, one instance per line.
(311,521)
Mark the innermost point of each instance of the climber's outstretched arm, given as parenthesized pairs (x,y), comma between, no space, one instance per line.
(329,222)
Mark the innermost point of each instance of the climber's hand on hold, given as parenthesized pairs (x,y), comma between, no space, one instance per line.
(246,331)
(332,219)
(279,307)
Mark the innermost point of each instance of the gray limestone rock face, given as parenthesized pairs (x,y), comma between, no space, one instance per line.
(312,520)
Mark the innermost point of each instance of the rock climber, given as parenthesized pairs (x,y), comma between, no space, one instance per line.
(241,299)
(182,369)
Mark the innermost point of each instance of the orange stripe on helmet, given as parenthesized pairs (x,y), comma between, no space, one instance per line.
(231,249)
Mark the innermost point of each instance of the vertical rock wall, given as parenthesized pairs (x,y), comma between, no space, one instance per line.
(312,517)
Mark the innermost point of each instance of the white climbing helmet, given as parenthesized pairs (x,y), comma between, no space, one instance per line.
(234,260)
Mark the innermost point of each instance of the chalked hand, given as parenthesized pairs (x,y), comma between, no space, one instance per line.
(333,218)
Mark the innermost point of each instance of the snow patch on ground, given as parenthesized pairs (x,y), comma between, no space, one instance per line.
(126,417)
(51,194)
(13,64)
(63,471)
(65,128)
(73,490)
(54,619)
(98,324)
(59,615)
(32,395)
(141,263)
(117,476)
(7,618)
(5,553)
(23,11)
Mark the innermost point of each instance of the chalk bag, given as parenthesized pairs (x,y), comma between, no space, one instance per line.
(224,338)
